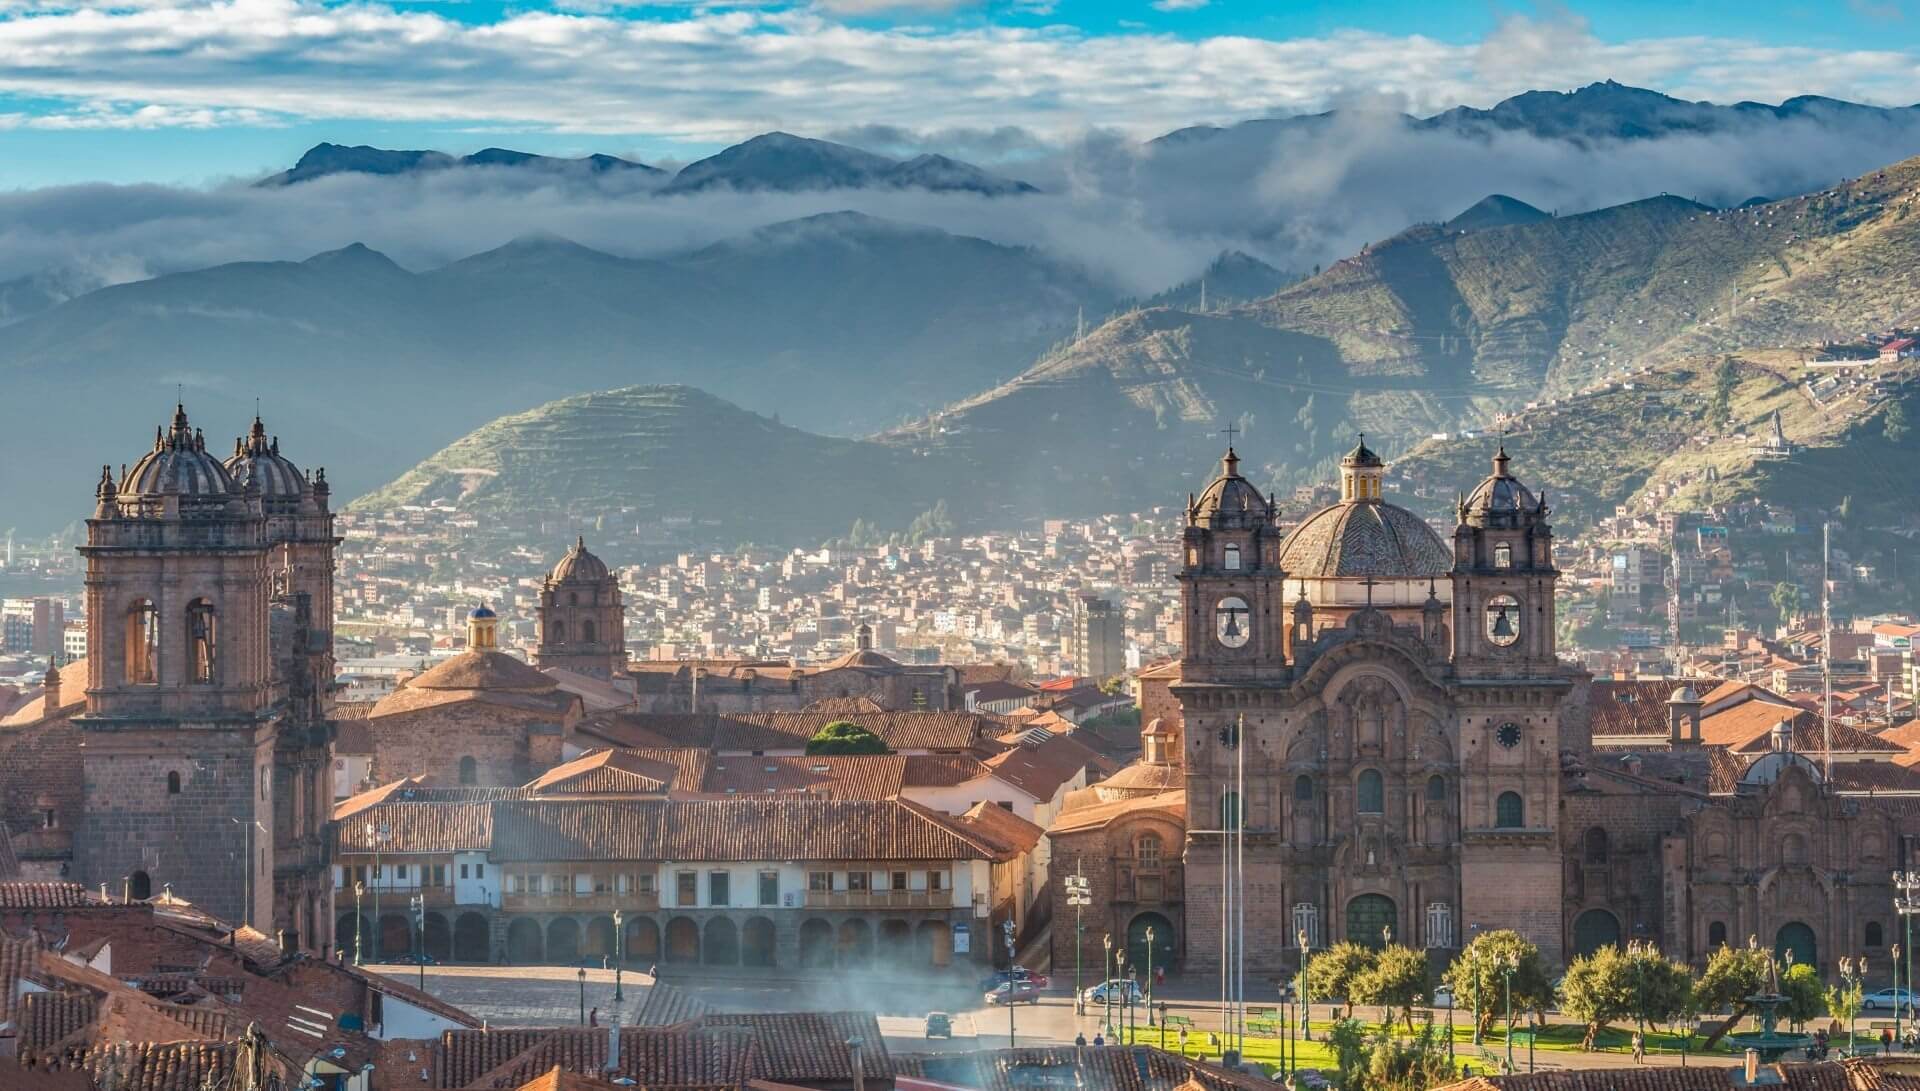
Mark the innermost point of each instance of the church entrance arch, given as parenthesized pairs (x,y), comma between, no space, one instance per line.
(1594,929)
(1162,942)
(1797,939)
(1371,919)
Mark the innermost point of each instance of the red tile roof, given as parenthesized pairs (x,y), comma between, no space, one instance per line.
(726,829)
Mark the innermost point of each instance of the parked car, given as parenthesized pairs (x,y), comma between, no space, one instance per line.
(1120,989)
(1020,974)
(939,1025)
(1886,998)
(1014,992)
(1442,996)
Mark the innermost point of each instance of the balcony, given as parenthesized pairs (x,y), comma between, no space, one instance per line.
(568,902)
(880,899)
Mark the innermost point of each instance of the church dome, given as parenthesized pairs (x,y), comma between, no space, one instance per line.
(1230,500)
(1501,493)
(1358,539)
(482,612)
(578,566)
(257,464)
(178,465)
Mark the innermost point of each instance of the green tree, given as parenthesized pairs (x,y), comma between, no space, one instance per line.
(1598,990)
(1351,1049)
(1894,425)
(1397,979)
(1332,972)
(1488,954)
(1662,989)
(1409,1064)
(1726,379)
(1786,599)
(1844,1000)
(1805,993)
(846,737)
(1733,974)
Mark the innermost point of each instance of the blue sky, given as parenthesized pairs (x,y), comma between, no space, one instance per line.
(201,90)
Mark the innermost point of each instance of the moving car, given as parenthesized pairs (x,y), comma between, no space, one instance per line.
(1015,992)
(1886,998)
(939,1025)
(1020,974)
(1121,990)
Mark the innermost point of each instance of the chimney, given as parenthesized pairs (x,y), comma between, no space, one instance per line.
(854,1060)
(53,687)
(1753,1067)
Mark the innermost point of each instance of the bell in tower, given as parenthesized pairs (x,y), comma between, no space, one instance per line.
(1232,583)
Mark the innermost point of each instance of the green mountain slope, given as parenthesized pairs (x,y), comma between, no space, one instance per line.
(661,457)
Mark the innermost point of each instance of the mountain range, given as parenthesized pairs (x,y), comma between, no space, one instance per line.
(771,162)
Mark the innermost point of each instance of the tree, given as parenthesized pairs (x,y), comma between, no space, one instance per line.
(1726,379)
(846,737)
(1597,991)
(1332,972)
(1733,974)
(1489,951)
(1895,425)
(1661,989)
(1786,599)
(1397,979)
(1805,993)
(1350,1048)
(1844,1000)
(1409,1064)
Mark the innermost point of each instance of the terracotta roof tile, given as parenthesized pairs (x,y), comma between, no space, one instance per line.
(725,829)
(417,827)
(29,894)
(837,776)
(1096,815)
(608,772)
(941,770)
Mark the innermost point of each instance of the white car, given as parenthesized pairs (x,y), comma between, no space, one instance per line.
(1118,990)
(1442,997)
(1886,998)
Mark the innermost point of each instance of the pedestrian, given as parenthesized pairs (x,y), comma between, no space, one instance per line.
(1159,976)
(1639,1048)
(653,971)
(1080,1040)
(1099,1039)
(1886,1040)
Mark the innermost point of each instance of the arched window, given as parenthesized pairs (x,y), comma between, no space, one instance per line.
(1146,851)
(557,632)
(469,770)
(1508,812)
(1436,789)
(142,652)
(1716,935)
(139,886)
(1371,794)
(203,642)
(1503,556)
(588,633)
(1875,937)
(1303,789)
(1596,843)
(173,784)
(1231,812)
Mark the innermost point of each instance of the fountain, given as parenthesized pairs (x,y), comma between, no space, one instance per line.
(1769,1043)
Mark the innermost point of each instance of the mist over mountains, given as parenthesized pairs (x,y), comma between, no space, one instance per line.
(847,291)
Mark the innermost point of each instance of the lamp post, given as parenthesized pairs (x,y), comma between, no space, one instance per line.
(1906,902)
(1848,975)
(619,954)
(377,835)
(1126,994)
(359,920)
(1507,967)
(1306,999)
(1899,1001)
(1079,898)
(418,904)
(1477,1037)
(1006,930)
(583,995)
(1149,975)
(1106,985)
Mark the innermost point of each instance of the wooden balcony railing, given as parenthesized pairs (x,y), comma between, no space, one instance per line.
(880,899)
(607,901)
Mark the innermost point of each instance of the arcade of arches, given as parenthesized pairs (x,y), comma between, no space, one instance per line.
(709,939)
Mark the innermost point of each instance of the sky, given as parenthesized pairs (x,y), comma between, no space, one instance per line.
(204,91)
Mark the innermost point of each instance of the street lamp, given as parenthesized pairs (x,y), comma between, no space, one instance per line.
(583,995)
(378,835)
(1149,975)
(1306,998)
(1906,902)
(1106,986)
(1125,999)
(619,953)
(359,920)
(1006,930)
(1848,974)
(1079,897)
(419,905)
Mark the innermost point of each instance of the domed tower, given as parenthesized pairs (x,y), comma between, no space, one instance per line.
(1231,581)
(300,561)
(1503,580)
(582,618)
(181,717)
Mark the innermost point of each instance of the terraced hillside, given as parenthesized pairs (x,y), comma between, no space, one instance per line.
(668,456)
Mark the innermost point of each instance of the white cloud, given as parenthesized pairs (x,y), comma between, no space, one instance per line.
(1179,5)
(711,74)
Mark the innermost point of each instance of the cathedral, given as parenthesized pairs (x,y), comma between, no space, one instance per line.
(1369,721)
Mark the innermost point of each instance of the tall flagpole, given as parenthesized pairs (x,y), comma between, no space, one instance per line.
(1826,644)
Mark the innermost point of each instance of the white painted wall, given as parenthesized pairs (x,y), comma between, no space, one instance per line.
(475,881)
(404,1020)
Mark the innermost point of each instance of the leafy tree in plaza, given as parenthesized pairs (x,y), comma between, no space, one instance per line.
(1332,972)
(1597,991)
(1733,974)
(1397,979)
(1805,993)
(846,737)
(1478,982)
(1409,1064)
(1844,1000)
(1351,1048)
(1661,990)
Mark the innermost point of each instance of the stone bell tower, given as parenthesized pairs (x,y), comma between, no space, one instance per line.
(1231,584)
(181,719)
(582,617)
